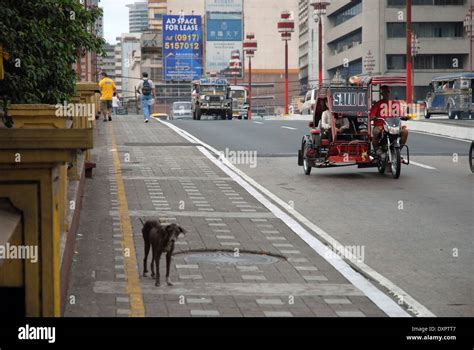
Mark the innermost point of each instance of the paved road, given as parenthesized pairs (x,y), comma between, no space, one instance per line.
(283,138)
(239,257)
(416,231)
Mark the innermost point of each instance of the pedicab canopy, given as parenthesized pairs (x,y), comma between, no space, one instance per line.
(378,80)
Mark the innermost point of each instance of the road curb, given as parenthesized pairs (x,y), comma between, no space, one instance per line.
(458,132)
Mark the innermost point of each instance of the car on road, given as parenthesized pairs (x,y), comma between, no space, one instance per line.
(452,95)
(309,102)
(181,110)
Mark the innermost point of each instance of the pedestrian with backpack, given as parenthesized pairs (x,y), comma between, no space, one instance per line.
(147,92)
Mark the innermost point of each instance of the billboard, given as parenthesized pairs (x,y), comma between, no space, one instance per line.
(224,34)
(182,48)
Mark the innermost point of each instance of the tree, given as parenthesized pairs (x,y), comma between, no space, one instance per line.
(43,39)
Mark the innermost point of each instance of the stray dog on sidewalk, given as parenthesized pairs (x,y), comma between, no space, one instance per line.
(147,226)
(162,239)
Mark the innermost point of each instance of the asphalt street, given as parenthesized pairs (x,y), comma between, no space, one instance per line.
(415,231)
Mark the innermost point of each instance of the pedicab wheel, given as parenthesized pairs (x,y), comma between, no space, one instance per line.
(470,157)
(306,167)
(381,167)
(396,163)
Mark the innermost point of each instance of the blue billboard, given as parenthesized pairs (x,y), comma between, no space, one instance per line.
(182,48)
(224,35)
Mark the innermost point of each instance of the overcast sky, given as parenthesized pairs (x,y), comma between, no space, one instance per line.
(115,18)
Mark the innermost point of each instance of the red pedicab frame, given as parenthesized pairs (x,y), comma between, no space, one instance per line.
(356,151)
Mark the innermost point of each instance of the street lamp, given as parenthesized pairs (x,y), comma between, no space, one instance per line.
(235,65)
(468,26)
(286,26)
(250,46)
(319,11)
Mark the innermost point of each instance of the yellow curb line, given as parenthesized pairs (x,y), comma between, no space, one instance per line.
(134,290)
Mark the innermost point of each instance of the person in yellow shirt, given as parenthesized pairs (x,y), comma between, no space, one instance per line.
(107,89)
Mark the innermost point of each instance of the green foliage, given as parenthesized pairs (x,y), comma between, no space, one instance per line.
(43,38)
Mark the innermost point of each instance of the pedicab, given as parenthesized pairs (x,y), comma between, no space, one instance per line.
(353,147)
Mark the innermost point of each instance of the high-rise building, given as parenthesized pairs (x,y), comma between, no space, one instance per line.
(138,17)
(88,65)
(108,62)
(127,52)
(308,45)
(268,65)
(361,31)
(156,10)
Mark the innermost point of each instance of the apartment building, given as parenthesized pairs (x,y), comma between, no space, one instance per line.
(138,17)
(359,29)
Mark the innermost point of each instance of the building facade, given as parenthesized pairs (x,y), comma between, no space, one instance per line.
(108,62)
(309,46)
(268,65)
(138,17)
(127,52)
(371,30)
(156,10)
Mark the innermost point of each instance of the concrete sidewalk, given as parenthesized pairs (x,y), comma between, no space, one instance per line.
(148,171)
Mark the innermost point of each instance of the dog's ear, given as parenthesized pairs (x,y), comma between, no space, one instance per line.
(182,230)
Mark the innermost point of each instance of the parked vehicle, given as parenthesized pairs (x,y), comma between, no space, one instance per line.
(211,97)
(309,102)
(240,102)
(181,110)
(452,95)
(354,146)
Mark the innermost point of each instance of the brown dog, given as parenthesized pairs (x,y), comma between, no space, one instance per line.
(147,226)
(162,239)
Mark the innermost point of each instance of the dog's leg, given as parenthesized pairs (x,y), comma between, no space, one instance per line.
(147,251)
(168,264)
(157,263)
(152,265)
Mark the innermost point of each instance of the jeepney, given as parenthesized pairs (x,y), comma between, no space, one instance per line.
(452,95)
(240,102)
(211,97)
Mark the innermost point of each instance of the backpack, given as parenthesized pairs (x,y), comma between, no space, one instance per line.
(146,88)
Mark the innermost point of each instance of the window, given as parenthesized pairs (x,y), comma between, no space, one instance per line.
(427,29)
(396,62)
(401,3)
(346,42)
(355,68)
(423,62)
(347,13)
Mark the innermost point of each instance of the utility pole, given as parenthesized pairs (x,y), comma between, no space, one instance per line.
(409,55)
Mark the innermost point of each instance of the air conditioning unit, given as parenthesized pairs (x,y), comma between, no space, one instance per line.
(355,43)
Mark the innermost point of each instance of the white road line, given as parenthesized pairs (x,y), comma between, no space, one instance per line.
(442,136)
(289,128)
(422,165)
(357,279)
(258,123)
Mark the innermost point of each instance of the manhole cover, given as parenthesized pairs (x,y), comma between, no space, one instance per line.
(230,259)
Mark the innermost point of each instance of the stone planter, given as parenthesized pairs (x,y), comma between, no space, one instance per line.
(37,116)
